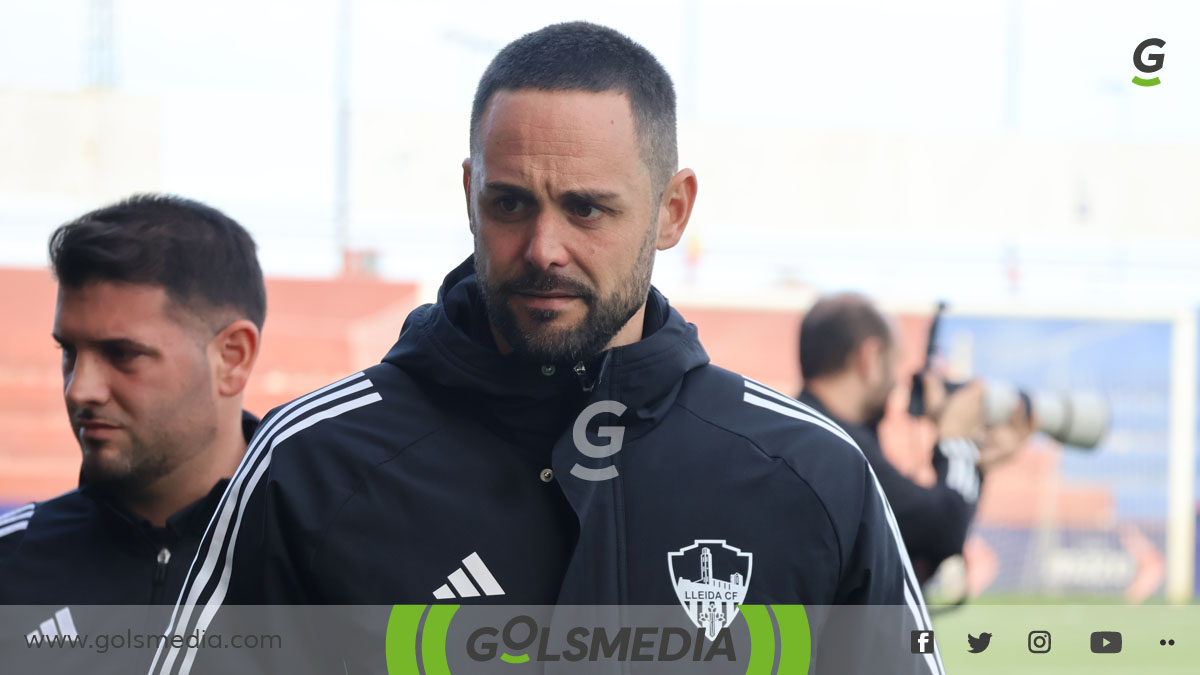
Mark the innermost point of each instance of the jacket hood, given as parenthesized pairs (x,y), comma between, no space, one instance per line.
(449,345)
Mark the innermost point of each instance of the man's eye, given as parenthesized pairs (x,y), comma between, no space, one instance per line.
(508,204)
(586,211)
(120,355)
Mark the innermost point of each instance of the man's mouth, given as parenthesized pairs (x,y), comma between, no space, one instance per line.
(546,300)
(96,430)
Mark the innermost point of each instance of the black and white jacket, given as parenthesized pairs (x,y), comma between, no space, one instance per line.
(450,473)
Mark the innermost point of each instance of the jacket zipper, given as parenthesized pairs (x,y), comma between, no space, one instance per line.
(160,570)
(582,374)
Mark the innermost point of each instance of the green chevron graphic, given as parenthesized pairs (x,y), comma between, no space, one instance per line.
(416,639)
(763,647)
(1145,83)
(404,626)
(797,642)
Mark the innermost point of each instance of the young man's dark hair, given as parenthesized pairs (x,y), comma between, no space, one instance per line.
(204,260)
(582,56)
(834,328)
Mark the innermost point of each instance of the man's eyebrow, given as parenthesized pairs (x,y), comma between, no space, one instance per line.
(113,343)
(126,343)
(570,195)
(510,189)
(590,196)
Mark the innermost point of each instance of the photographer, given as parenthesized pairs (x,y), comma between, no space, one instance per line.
(848,355)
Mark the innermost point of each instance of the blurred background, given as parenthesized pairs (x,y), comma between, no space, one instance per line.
(994,154)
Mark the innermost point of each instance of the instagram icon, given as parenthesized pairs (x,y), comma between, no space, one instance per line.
(1039,641)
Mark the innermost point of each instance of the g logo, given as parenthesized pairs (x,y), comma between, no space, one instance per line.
(1148,64)
(615,436)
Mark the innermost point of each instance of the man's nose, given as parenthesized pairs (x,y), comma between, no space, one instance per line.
(547,246)
(86,384)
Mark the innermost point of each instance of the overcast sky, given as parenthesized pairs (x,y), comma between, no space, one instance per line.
(1052,70)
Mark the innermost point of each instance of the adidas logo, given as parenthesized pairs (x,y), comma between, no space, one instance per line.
(59,624)
(462,583)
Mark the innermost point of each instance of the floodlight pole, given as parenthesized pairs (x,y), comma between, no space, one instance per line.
(101,45)
(341,186)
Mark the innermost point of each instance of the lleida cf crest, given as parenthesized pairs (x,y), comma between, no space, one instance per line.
(710,579)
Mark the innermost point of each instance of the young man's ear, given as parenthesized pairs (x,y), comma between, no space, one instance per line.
(675,208)
(232,353)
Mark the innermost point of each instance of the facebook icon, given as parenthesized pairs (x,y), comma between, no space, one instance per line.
(922,642)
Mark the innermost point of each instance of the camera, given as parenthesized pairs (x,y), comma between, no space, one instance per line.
(1077,420)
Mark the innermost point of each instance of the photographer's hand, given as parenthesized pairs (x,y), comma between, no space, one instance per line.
(935,395)
(1003,441)
(962,414)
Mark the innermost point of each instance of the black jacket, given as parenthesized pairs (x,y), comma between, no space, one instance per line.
(84,548)
(449,464)
(934,520)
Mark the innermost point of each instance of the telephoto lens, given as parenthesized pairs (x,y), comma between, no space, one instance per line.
(1077,420)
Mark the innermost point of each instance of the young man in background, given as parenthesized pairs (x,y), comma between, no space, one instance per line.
(159,313)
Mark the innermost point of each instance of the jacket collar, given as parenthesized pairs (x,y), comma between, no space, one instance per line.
(449,345)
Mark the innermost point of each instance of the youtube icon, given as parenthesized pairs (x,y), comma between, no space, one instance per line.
(1106,642)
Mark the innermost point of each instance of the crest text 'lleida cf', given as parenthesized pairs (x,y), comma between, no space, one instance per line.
(710,579)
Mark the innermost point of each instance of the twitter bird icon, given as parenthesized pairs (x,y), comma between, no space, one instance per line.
(980,643)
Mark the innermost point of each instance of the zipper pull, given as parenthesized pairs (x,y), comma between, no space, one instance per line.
(581,373)
(160,571)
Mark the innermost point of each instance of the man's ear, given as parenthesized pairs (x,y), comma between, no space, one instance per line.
(232,353)
(675,208)
(466,165)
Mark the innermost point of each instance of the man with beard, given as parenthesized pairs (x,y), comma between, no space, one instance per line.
(550,430)
(848,358)
(158,316)
(160,307)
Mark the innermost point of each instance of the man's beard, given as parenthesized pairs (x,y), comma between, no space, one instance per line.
(875,408)
(133,469)
(604,317)
(137,469)
(874,415)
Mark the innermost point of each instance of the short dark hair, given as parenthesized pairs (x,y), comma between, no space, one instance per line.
(202,258)
(833,328)
(581,56)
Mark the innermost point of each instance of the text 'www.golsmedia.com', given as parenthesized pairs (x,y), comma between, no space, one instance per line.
(103,642)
